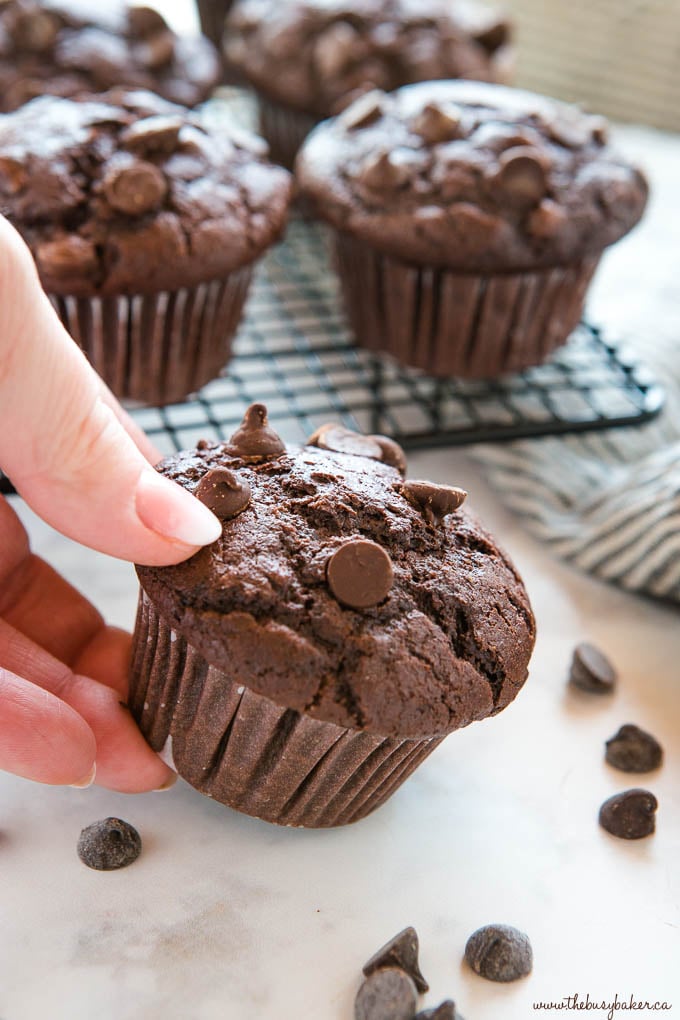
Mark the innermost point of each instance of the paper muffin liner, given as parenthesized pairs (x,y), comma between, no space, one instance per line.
(244,750)
(449,323)
(158,348)
(212,15)
(284,130)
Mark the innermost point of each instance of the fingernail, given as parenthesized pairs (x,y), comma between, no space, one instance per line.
(167,785)
(171,511)
(87,781)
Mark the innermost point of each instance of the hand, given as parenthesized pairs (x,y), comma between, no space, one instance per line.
(80,462)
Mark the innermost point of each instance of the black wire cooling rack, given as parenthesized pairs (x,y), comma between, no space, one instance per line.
(294,352)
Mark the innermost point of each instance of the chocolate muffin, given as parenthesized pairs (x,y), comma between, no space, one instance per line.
(145,224)
(307,59)
(347,620)
(67,47)
(469,219)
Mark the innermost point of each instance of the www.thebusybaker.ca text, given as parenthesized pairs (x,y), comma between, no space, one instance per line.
(609,1007)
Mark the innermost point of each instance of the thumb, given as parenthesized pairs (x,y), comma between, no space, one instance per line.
(63,442)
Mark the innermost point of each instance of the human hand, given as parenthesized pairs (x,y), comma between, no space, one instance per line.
(80,462)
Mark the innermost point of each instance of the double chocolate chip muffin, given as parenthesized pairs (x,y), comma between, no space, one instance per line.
(67,47)
(301,667)
(145,223)
(307,59)
(469,220)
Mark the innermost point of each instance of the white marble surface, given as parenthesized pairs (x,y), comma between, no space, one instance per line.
(227,918)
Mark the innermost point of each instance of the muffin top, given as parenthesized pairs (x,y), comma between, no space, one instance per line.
(316,55)
(340,589)
(126,193)
(66,47)
(471,176)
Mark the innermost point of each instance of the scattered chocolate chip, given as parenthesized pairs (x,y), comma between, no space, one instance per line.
(388,994)
(392,453)
(145,21)
(152,135)
(223,492)
(499,952)
(254,437)
(434,501)
(364,111)
(360,574)
(135,189)
(629,815)
(12,175)
(109,844)
(400,951)
(341,440)
(633,750)
(522,175)
(438,122)
(446,1011)
(591,670)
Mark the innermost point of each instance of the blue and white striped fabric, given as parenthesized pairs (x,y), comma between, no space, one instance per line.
(609,502)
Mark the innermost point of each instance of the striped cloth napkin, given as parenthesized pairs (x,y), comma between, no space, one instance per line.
(609,502)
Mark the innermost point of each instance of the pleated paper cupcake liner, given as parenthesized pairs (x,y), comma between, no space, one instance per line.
(158,348)
(284,130)
(243,750)
(457,324)
(212,15)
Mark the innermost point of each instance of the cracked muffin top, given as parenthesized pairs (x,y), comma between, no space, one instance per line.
(126,193)
(340,589)
(315,55)
(472,176)
(65,47)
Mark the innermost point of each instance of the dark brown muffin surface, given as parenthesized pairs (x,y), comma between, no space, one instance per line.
(314,55)
(66,47)
(126,193)
(471,176)
(278,602)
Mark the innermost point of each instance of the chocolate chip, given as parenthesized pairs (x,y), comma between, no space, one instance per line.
(32,29)
(570,130)
(445,1011)
(629,815)
(591,670)
(156,51)
(13,176)
(223,492)
(438,122)
(66,256)
(152,135)
(135,189)
(383,170)
(435,502)
(341,440)
(401,951)
(546,219)
(335,49)
(360,574)
(254,438)
(388,994)
(633,750)
(522,175)
(145,21)
(364,111)
(600,130)
(392,453)
(493,36)
(499,952)
(109,844)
